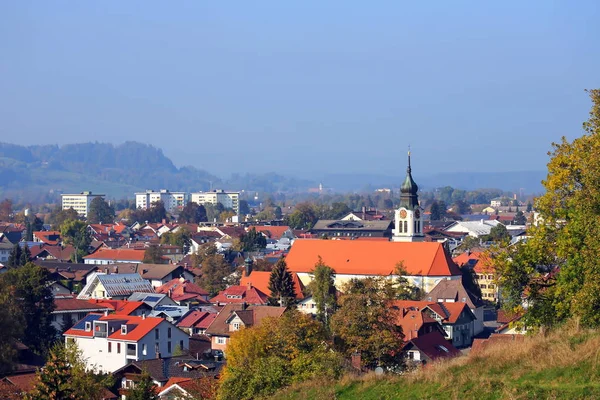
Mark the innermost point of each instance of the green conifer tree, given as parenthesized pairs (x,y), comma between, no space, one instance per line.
(281,285)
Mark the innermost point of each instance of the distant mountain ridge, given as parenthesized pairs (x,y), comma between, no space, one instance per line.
(116,170)
(42,171)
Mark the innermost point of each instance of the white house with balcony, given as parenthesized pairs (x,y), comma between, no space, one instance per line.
(109,342)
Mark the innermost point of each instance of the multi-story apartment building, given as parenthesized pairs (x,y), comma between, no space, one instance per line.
(109,342)
(227,199)
(173,201)
(79,202)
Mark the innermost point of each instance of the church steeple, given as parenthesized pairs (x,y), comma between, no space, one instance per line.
(409,189)
(408,223)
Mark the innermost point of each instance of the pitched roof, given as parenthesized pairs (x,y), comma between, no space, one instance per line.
(138,327)
(117,254)
(453,289)
(65,304)
(120,307)
(448,312)
(352,225)
(272,232)
(434,345)
(260,280)
(240,294)
(220,327)
(48,237)
(180,289)
(358,257)
(478,260)
(411,321)
(116,285)
(24,382)
(156,271)
(164,369)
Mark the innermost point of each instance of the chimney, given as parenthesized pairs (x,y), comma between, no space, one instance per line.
(356,361)
(243,305)
(249,285)
(170,293)
(164,221)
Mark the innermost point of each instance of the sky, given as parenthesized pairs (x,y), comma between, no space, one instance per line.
(303,87)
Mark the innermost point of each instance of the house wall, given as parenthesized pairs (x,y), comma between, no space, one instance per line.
(307,306)
(427,283)
(95,349)
(101,261)
(489,289)
(219,343)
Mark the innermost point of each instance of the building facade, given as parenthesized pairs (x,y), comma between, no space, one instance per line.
(227,199)
(173,201)
(79,202)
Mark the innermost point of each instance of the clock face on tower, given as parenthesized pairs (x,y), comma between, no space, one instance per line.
(402,214)
(417,213)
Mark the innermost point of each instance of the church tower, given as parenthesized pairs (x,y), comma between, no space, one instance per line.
(409,226)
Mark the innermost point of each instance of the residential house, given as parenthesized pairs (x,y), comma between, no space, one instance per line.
(364,215)
(260,281)
(104,256)
(238,294)
(456,318)
(110,342)
(5,249)
(164,369)
(453,291)
(234,317)
(153,300)
(184,292)
(416,322)
(353,228)
(50,238)
(429,347)
(69,309)
(181,388)
(114,286)
(48,252)
(484,273)
(275,232)
(171,313)
(124,307)
(426,263)
(196,322)
(473,228)
(509,323)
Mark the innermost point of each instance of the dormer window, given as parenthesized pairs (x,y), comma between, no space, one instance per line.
(88,326)
(123,329)
(236,326)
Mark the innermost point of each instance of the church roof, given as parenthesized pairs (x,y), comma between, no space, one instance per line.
(356,257)
(409,189)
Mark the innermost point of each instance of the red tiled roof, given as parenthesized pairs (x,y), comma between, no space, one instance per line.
(272,232)
(141,327)
(49,237)
(480,260)
(358,257)
(433,344)
(197,319)
(120,307)
(25,382)
(260,280)
(450,312)
(117,254)
(182,290)
(73,304)
(247,295)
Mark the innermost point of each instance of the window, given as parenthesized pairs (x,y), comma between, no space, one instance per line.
(109,347)
(156,334)
(88,326)
(405,226)
(168,347)
(220,340)
(236,326)
(123,329)
(144,349)
(181,344)
(118,348)
(169,333)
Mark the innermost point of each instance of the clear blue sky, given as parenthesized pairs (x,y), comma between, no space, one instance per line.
(303,87)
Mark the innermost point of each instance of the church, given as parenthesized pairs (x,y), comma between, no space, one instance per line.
(426,263)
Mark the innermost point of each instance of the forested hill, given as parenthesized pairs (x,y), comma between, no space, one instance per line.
(116,170)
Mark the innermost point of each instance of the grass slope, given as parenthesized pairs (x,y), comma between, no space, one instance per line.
(561,365)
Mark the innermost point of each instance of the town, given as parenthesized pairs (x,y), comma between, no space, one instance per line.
(160,296)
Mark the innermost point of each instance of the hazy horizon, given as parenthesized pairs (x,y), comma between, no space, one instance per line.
(303,89)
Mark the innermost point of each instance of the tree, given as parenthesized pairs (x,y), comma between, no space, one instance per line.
(498,233)
(66,376)
(144,389)
(469,243)
(29,285)
(12,322)
(193,213)
(25,255)
(153,255)
(281,285)
(323,291)
(253,240)
(365,322)
(75,233)
(58,216)
(244,208)
(557,269)
(404,289)
(303,217)
(100,211)
(181,238)
(529,207)
(5,210)
(338,210)
(262,265)
(435,211)
(14,258)
(255,370)
(213,271)
(520,218)
(462,207)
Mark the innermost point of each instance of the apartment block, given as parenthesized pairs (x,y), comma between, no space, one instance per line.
(227,199)
(79,202)
(173,201)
